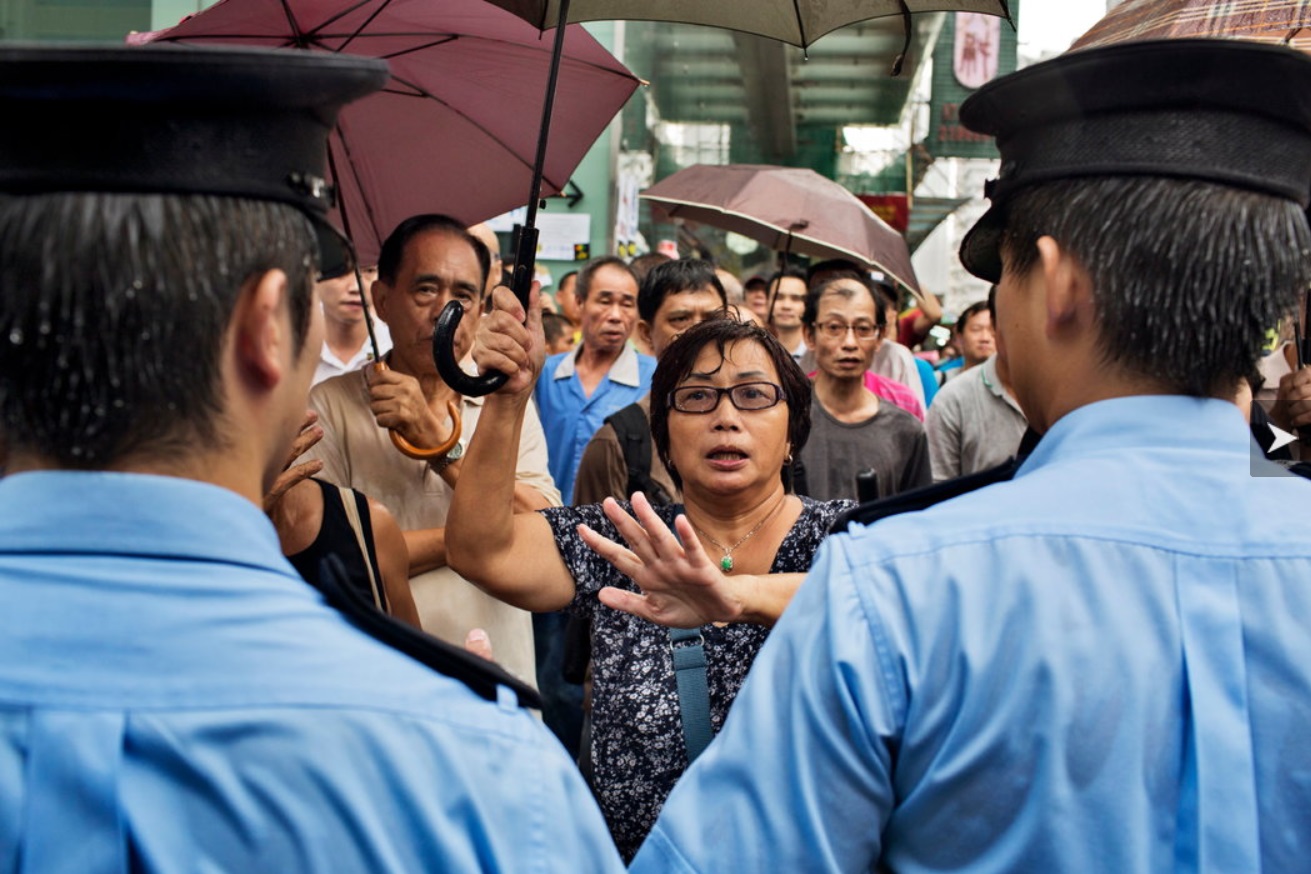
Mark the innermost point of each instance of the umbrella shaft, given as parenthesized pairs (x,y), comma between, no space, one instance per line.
(525,256)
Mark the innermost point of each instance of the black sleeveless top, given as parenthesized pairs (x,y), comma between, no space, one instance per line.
(337,537)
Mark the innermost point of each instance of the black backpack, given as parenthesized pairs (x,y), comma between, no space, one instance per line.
(634,431)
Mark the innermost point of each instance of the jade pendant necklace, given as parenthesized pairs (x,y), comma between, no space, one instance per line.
(726,563)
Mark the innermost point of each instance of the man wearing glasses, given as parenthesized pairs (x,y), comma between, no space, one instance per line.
(852,430)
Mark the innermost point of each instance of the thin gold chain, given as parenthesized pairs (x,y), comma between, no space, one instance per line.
(726,563)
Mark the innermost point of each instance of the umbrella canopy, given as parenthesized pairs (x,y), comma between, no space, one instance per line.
(787,209)
(456,128)
(799,22)
(1263,20)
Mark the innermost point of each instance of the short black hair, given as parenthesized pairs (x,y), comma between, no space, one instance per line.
(830,286)
(584,285)
(115,311)
(671,277)
(554,326)
(680,357)
(776,280)
(644,264)
(979,306)
(393,248)
(843,266)
(1187,275)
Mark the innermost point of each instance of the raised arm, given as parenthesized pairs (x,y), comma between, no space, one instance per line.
(512,557)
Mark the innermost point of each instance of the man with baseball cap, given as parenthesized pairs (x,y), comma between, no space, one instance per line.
(172,696)
(1103,663)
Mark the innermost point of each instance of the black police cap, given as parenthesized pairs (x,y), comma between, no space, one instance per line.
(249,123)
(1225,111)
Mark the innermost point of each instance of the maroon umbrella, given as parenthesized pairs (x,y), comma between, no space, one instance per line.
(456,129)
(788,209)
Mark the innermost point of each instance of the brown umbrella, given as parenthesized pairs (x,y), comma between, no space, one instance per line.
(1282,21)
(788,209)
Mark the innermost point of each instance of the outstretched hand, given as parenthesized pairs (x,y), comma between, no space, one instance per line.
(680,586)
(292,474)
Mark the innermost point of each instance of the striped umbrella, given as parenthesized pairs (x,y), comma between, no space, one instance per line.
(1275,21)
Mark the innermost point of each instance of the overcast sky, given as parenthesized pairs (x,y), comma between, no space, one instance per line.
(1051,25)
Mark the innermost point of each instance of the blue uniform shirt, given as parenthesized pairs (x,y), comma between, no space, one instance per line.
(174,698)
(1102,666)
(570,417)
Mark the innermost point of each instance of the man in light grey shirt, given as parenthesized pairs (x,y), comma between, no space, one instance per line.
(974,422)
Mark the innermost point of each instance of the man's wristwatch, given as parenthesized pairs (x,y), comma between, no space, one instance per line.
(440,464)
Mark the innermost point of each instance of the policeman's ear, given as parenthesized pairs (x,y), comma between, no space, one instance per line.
(1067,287)
(261,325)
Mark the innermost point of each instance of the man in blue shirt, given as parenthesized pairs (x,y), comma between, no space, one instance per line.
(578,390)
(172,696)
(1103,664)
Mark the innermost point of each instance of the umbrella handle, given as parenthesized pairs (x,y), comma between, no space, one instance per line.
(443,355)
(443,335)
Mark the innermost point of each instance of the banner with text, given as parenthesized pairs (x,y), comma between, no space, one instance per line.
(972,50)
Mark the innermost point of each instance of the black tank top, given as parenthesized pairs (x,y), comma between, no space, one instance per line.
(337,537)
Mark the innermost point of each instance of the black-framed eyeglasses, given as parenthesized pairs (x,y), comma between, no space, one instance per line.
(747,396)
(836,329)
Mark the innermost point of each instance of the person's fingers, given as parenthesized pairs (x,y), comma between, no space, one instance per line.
(478,643)
(691,544)
(657,532)
(504,300)
(624,560)
(634,534)
(288,479)
(628,602)
(304,440)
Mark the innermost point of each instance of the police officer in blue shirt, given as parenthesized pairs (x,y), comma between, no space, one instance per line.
(1103,663)
(173,697)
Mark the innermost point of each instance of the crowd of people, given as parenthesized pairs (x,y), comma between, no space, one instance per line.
(788,596)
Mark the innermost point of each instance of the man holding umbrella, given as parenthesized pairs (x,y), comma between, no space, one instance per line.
(1103,664)
(175,696)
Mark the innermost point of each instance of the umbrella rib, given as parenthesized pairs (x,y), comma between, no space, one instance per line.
(359,184)
(801,24)
(419,48)
(342,14)
(298,35)
(381,6)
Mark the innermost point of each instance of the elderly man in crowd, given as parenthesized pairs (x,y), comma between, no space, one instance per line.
(428,261)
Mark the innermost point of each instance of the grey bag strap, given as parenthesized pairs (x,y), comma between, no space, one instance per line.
(689,653)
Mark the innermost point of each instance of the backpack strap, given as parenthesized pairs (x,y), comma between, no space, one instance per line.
(633,429)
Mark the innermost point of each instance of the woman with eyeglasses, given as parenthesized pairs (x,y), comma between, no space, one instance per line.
(730,410)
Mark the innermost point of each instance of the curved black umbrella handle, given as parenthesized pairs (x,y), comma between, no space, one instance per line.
(443,335)
(443,355)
